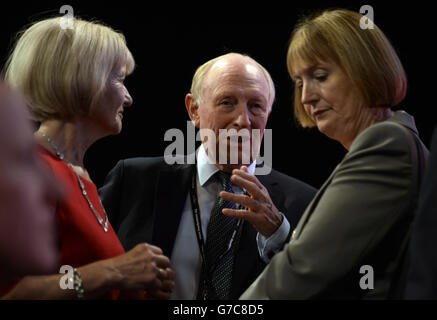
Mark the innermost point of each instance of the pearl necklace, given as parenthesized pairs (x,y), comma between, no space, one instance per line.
(103,224)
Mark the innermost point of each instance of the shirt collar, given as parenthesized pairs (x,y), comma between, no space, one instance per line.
(206,169)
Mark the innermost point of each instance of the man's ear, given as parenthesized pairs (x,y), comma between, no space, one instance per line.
(270,110)
(193,109)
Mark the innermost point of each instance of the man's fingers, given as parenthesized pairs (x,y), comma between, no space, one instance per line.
(246,175)
(251,187)
(244,168)
(239,214)
(242,199)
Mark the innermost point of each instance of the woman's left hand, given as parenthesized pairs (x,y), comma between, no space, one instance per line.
(163,292)
(261,212)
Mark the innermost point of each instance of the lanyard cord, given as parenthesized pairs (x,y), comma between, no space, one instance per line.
(198,225)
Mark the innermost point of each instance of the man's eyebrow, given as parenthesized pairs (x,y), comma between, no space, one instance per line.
(260,97)
(224,94)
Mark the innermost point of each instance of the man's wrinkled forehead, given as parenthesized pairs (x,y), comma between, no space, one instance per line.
(234,70)
(235,63)
(240,65)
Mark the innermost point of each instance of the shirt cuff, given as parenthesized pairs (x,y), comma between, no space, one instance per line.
(268,247)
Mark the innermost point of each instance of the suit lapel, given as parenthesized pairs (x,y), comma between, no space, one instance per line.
(171,193)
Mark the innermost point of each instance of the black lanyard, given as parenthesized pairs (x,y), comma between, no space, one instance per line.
(198,225)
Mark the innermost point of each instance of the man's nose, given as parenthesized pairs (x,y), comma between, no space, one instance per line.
(243,117)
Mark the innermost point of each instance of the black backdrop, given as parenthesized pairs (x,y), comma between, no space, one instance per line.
(170,41)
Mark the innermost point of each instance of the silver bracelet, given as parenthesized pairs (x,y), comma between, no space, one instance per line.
(77,282)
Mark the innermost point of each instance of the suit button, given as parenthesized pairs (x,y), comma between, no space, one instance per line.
(293,234)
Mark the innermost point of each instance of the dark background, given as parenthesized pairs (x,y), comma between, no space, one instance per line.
(170,41)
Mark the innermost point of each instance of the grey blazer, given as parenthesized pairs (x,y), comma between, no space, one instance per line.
(360,216)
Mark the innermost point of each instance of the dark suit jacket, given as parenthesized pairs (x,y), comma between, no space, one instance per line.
(145,197)
(360,216)
(422,279)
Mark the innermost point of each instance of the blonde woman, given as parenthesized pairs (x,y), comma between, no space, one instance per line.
(350,241)
(73,82)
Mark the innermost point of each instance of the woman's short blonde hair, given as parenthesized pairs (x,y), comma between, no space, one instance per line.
(365,55)
(61,71)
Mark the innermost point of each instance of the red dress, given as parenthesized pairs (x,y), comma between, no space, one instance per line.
(81,238)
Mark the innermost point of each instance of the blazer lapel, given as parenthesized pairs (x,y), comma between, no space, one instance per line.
(171,193)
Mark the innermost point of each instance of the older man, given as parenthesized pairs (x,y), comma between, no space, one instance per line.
(178,207)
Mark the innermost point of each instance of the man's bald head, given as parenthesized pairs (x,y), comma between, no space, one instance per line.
(229,60)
